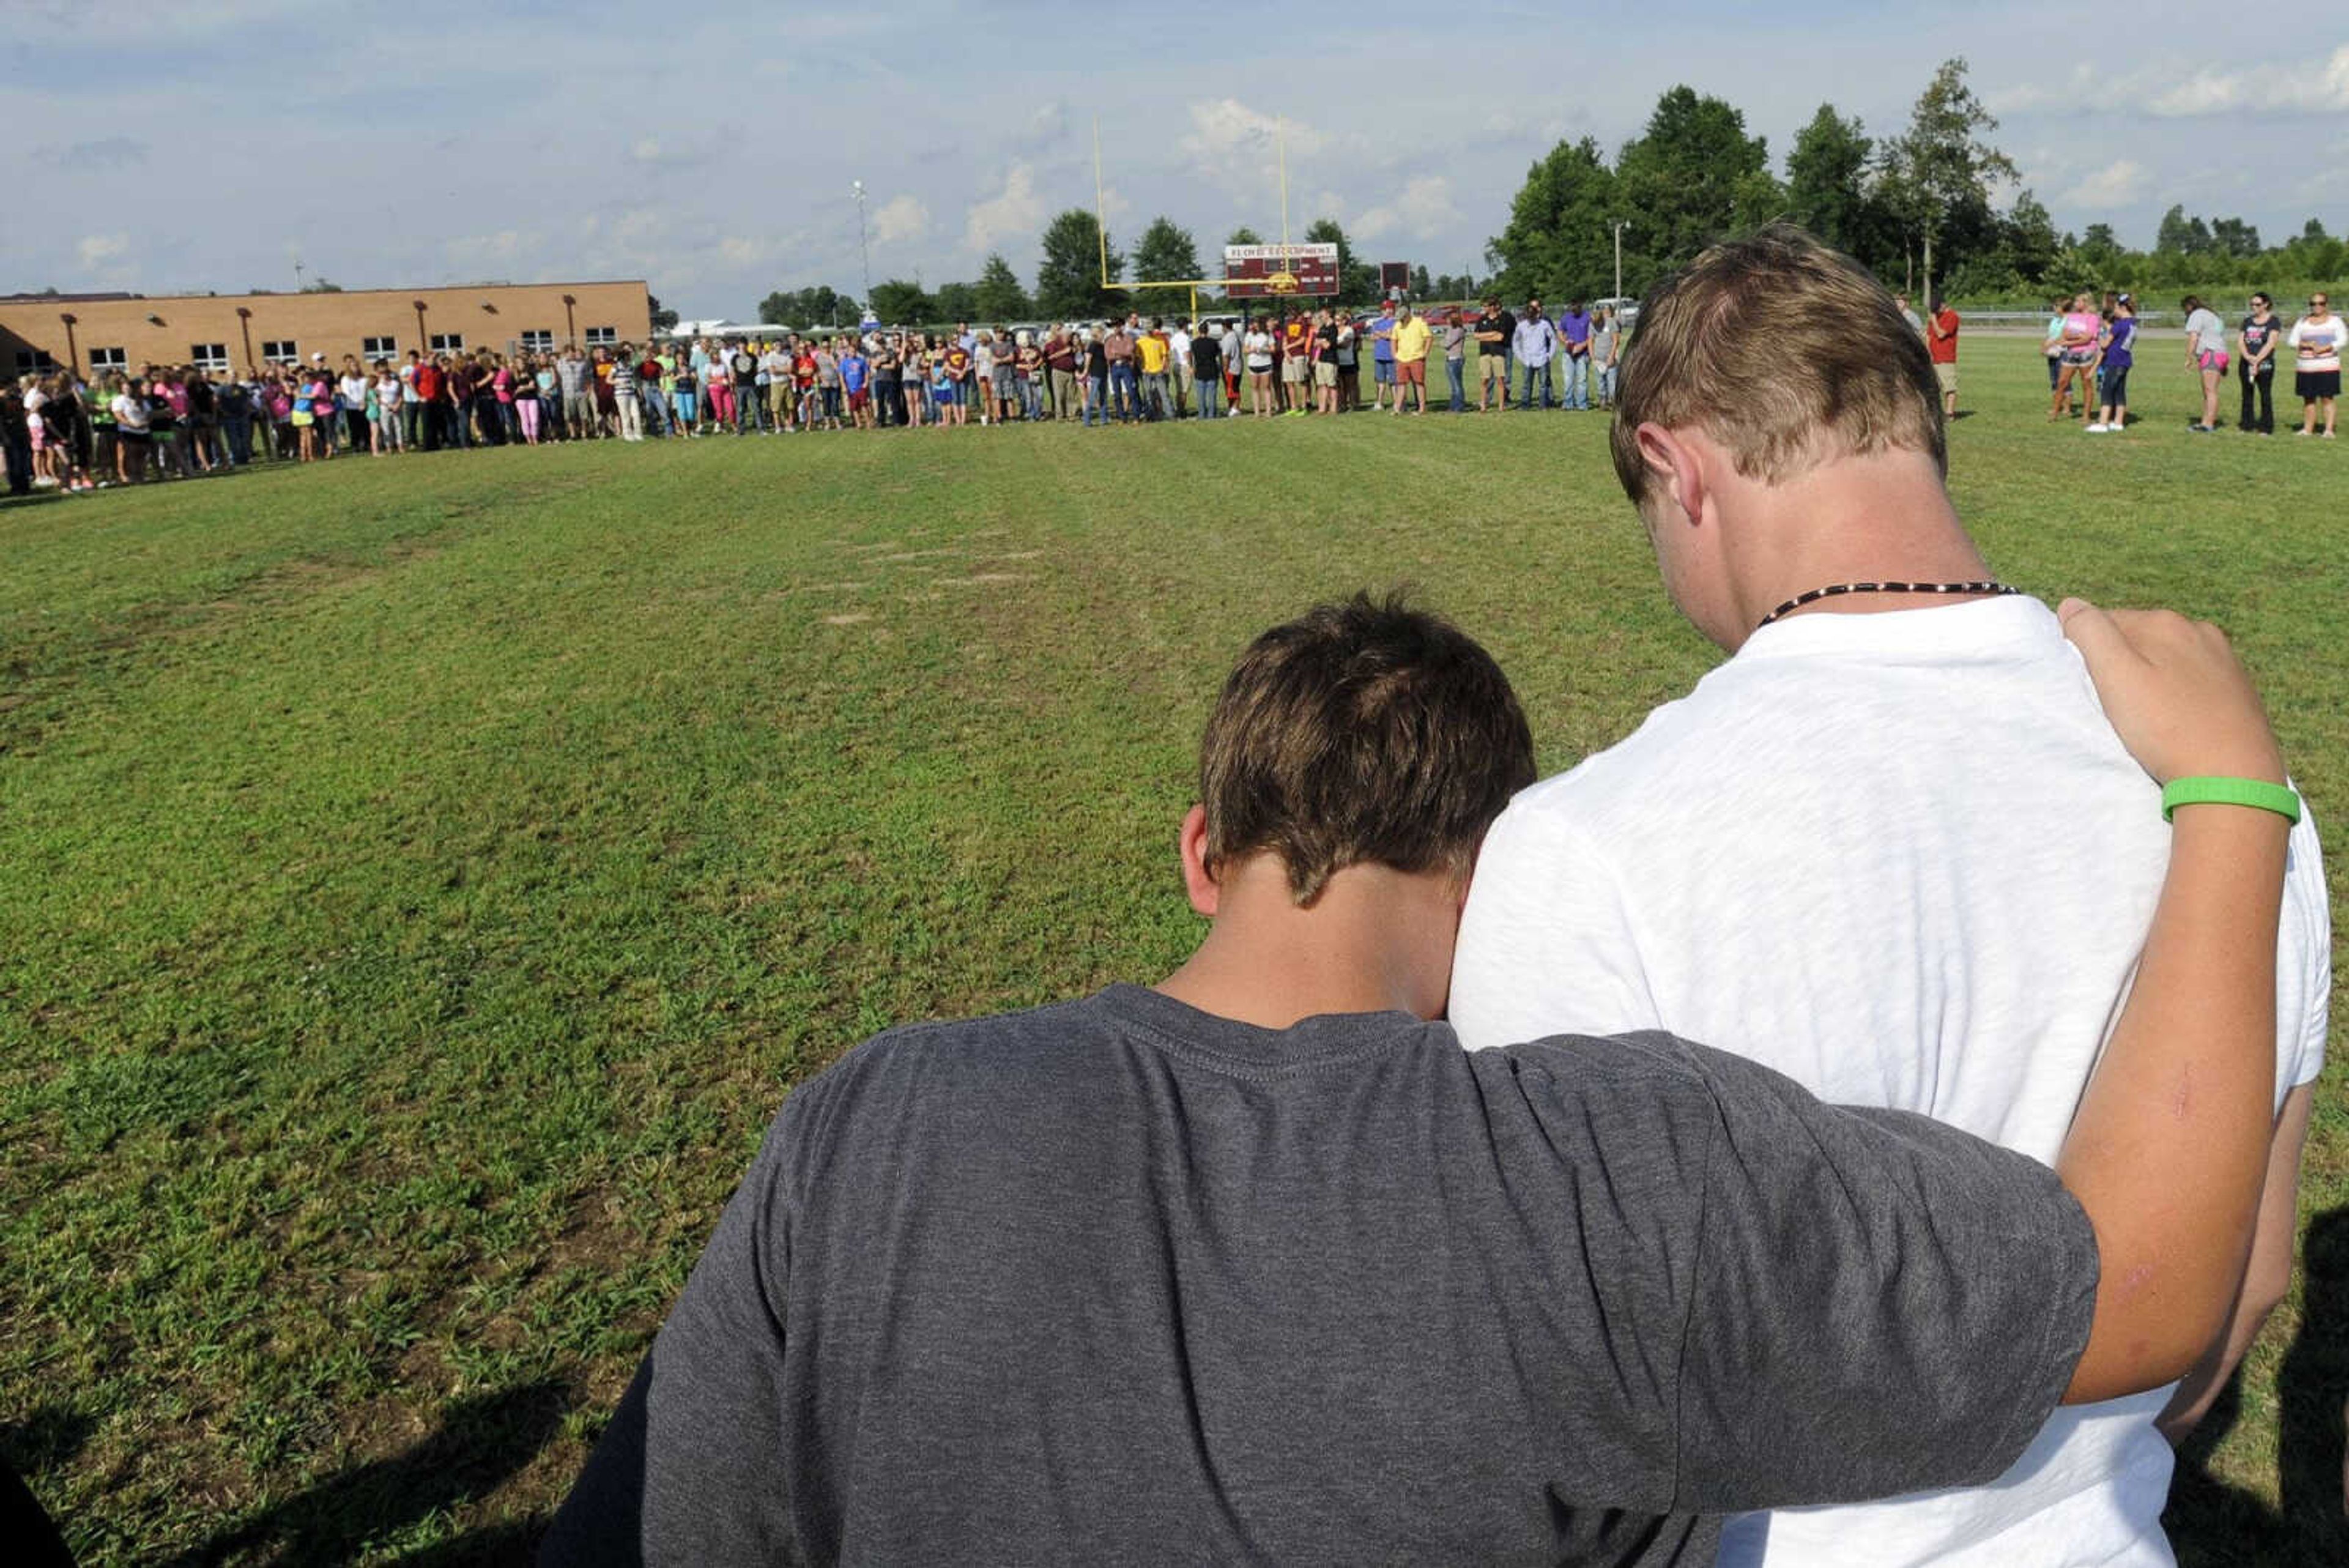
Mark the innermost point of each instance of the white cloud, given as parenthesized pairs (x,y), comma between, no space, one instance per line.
(899,219)
(97,249)
(736,250)
(2117,184)
(1048,126)
(1239,148)
(1423,210)
(1013,215)
(2278,88)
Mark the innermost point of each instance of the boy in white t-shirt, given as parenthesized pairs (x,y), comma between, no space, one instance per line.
(1899,856)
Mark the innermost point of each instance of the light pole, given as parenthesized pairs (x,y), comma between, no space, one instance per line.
(1618,228)
(864,255)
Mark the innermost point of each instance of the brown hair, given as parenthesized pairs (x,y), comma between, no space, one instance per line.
(1362,733)
(1785,351)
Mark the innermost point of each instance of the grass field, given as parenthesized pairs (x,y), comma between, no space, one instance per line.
(424,880)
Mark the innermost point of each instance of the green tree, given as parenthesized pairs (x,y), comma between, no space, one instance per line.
(664,318)
(897,302)
(2182,236)
(1069,282)
(1827,181)
(956,302)
(2099,246)
(1937,175)
(2031,248)
(1166,254)
(819,306)
(1558,241)
(999,297)
(2234,237)
(1692,176)
(1358,281)
(1422,286)
(1244,235)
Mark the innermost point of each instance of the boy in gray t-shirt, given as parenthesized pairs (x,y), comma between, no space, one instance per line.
(1259,1265)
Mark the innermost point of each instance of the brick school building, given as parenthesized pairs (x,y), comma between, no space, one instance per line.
(97,332)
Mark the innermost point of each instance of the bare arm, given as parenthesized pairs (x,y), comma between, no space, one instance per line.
(2168,1153)
(2265,1281)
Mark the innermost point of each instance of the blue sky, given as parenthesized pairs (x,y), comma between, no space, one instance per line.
(710,147)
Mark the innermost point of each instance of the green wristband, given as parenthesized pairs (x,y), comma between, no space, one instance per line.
(2255,793)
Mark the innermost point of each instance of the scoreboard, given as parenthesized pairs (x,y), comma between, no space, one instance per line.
(1260,271)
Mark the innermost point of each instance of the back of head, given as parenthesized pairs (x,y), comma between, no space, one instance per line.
(1785,351)
(1362,733)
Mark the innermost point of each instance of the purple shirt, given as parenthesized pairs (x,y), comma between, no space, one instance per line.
(1574,326)
(2117,347)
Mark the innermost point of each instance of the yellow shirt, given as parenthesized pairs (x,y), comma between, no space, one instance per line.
(1410,339)
(1152,349)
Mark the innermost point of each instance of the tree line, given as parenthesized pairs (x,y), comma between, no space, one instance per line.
(1918,207)
(1076,256)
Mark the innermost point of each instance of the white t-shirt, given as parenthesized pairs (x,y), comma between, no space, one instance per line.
(2328,331)
(1259,350)
(1903,858)
(2206,332)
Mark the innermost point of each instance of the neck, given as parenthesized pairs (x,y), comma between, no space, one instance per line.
(1376,941)
(1885,517)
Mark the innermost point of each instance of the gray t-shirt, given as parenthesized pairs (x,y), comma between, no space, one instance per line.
(1116,1280)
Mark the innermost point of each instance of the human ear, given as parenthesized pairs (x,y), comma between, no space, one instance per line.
(1672,463)
(1198,878)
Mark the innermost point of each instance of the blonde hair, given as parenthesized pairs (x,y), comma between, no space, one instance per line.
(1785,351)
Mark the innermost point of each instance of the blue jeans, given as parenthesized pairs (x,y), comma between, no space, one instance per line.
(1031,399)
(1123,393)
(1536,373)
(1211,397)
(1096,398)
(1454,369)
(746,408)
(1577,380)
(1602,382)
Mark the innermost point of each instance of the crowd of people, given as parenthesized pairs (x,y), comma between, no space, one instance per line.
(62,430)
(2091,348)
(172,421)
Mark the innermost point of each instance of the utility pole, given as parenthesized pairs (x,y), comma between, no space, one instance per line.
(297,275)
(1618,228)
(862,253)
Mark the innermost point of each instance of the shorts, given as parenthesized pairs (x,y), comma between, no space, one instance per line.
(2079,358)
(1259,368)
(1497,367)
(1382,371)
(1293,371)
(1413,372)
(36,429)
(1325,373)
(301,418)
(1945,371)
(1006,383)
(2313,384)
(2212,359)
(946,394)
(857,399)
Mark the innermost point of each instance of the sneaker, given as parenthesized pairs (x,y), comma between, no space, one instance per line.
(2096,429)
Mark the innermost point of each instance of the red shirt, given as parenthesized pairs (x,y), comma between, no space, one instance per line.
(428,382)
(1292,338)
(1943,341)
